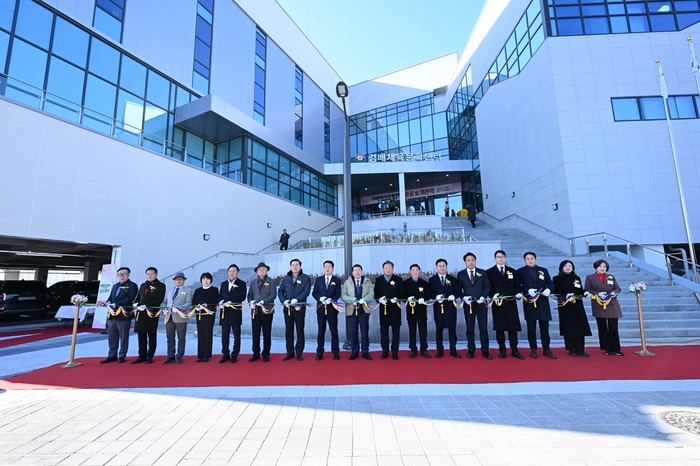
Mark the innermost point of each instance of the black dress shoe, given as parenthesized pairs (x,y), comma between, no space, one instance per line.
(487,356)
(618,353)
(439,354)
(300,358)
(205,360)
(149,360)
(367,356)
(533,354)
(549,354)
(199,360)
(224,358)
(122,360)
(137,360)
(412,354)
(353,356)
(266,358)
(455,354)
(108,360)
(470,355)
(178,360)
(385,355)
(287,357)
(425,354)
(167,361)
(336,357)
(254,357)
(516,354)
(234,359)
(501,355)
(584,354)
(319,356)
(573,354)
(394,357)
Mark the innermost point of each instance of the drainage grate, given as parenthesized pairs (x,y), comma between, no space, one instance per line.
(684,420)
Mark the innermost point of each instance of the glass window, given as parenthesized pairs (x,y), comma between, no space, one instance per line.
(596,25)
(570,27)
(258,181)
(414,126)
(133,76)
(439,125)
(687,19)
(108,24)
(155,121)
(426,125)
(203,30)
(662,23)
(34,23)
(4,44)
(202,52)
(158,89)
(183,97)
(567,11)
(532,11)
(593,10)
(616,9)
(652,108)
(686,5)
(7,13)
(200,83)
(681,107)
(100,96)
(70,42)
(537,40)
(639,23)
(28,64)
(65,80)
(104,60)
(130,110)
(636,8)
(201,11)
(619,24)
(626,109)
(660,7)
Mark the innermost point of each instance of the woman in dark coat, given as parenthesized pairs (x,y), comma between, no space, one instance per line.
(573,324)
(606,309)
(208,297)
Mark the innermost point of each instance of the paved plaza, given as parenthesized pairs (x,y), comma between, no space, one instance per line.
(566,423)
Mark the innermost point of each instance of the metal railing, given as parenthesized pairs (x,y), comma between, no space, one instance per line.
(397,213)
(391,235)
(550,237)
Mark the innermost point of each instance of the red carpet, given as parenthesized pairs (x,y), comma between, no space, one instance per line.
(19,337)
(671,362)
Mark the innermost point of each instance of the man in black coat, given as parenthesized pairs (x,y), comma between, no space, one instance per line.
(151,295)
(505,287)
(444,289)
(294,288)
(121,298)
(418,292)
(326,290)
(284,240)
(475,287)
(233,290)
(536,286)
(388,290)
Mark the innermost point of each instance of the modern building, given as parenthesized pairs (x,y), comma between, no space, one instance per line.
(181,132)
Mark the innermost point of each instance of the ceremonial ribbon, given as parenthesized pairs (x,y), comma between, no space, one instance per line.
(204,309)
(115,311)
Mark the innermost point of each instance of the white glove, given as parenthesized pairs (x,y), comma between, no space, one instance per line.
(411,299)
(480,300)
(286,302)
(294,301)
(322,299)
(519,296)
(467,300)
(438,298)
(382,300)
(546,292)
(394,300)
(421,301)
(602,294)
(327,301)
(362,301)
(570,297)
(613,294)
(261,302)
(586,294)
(451,297)
(532,292)
(496,296)
(251,303)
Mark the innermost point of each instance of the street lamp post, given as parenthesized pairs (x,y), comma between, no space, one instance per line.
(341,90)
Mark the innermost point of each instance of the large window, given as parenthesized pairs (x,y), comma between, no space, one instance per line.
(259,85)
(589,17)
(202,45)
(680,107)
(298,108)
(326,128)
(109,18)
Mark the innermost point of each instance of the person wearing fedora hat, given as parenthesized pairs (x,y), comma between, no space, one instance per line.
(178,297)
(261,297)
(294,289)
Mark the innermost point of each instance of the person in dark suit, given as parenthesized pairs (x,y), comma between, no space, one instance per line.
(444,289)
(206,297)
(123,294)
(505,282)
(327,289)
(603,285)
(151,295)
(294,289)
(261,296)
(357,291)
(536,286)
(234,291)
(475,287)
(388,290)
(418,292)
(284,240)
(573,323)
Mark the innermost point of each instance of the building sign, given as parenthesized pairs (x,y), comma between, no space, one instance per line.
(413,193)
(400,157)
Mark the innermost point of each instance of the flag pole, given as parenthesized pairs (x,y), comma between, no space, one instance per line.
(694,65)
(664,93)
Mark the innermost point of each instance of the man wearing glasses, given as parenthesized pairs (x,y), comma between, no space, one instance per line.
(122,296)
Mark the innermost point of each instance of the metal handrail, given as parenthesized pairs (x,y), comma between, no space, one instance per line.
(525,220)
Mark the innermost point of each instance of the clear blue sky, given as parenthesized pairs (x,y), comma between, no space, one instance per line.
(363,39)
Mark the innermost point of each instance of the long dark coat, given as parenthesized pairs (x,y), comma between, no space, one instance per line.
(237,295)
(151,295)
(539,279)
(419,289)
(572,316)
(389,314)
(505,316)
(445,314)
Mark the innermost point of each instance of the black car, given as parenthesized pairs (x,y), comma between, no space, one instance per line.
(61,292)
(24,297)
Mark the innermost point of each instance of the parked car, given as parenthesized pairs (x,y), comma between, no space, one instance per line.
(24,297)
(61,292)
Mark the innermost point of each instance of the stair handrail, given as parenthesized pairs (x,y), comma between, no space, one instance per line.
(563,240)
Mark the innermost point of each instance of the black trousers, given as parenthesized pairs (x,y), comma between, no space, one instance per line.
(205,336)
(359,329)
(147,345)
(575,344)
(422,332)
(262,322)
(226,331)
(532,333)
(384,338)
(480,314)
(294,319)
(512,340)
(331,318)
(608,334)
(451,335)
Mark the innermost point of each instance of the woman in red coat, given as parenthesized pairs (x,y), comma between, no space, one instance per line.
(606,309)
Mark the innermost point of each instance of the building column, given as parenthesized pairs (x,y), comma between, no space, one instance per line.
(402,192)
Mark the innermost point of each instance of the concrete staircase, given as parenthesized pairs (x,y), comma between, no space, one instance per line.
(671,312)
